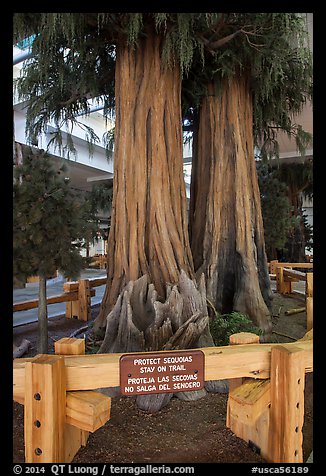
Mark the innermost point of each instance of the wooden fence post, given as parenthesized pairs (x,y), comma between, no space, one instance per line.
(45,409)
(82,307)
(309,312)
(84,299)
(287,405)
(72,309)
(282,286)
(309,300)
(237,339)
(272,266)
(69,346)
(74,437)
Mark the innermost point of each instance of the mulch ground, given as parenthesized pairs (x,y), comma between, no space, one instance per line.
(182,431)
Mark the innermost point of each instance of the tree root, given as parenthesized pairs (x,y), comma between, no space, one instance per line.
(140,322)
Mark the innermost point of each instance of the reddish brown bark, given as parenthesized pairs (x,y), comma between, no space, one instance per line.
(226,225)
(148,232)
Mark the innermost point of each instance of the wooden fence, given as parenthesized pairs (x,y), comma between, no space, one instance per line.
(99,261)
(286,276)
(61,406)
(77,295)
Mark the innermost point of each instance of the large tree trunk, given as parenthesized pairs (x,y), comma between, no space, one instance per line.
(151,301)
(148,234)
(226,225)
(42,346)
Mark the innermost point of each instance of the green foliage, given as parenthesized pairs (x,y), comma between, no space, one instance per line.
(276,208)
(222,326)
(74,59)
(282,78)
(299,177)
(308,233)
(180,43)
(50,220)
(272,50)
(299,239)
(286,229)
(101,197)
(70,64)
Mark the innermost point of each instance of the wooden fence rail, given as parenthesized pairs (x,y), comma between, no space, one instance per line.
(58,390)
(89,372)
(77,295)
(286,276)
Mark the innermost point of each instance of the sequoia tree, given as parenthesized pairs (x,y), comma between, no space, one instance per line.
(260,76)
(138,61)
(227,230)
(148,240)
(148,233)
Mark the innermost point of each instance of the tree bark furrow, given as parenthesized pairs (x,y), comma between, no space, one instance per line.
(148,232)
(226,225)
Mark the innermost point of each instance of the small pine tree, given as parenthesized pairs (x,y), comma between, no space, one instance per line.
(287,231)
(276,209)
(50,222)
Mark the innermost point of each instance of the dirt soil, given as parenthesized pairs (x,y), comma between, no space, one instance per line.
(182,431)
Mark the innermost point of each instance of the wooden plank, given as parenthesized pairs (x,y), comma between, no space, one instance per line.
(292,274)
(94,282)
(309,312)
(250,399)
(297,310)
(72,310)
(251,391)
(243,338)
(247,407)
(70,286)
(74,439)
(237,339)
(69,346)
(282,286)
(33,303)
(294,265)
(87,410)
(84,299)
(248,413)
(45,410)
(309,284)
(81,309)
(287,405)
(272,266)
(92,371)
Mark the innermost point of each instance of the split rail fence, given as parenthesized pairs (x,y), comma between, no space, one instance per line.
(77,295)
(286,276)
(62,405)
(265,406)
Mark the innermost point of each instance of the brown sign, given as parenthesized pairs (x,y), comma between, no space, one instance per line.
(161,372)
